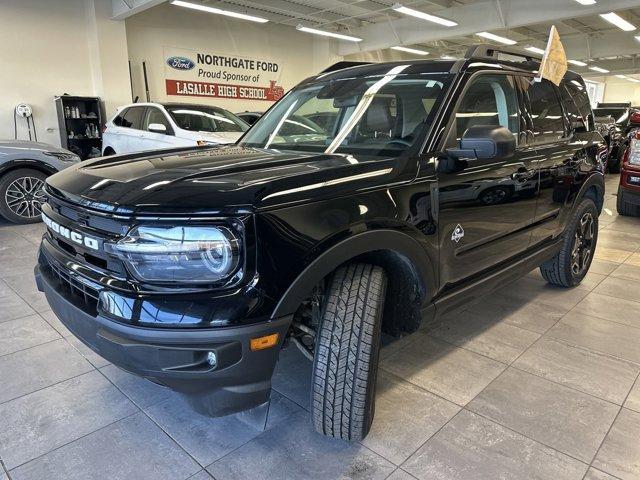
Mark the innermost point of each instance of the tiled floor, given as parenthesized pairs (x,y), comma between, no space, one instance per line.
(533,382)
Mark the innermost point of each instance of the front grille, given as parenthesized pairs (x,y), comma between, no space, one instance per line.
(80,294)
(92,220)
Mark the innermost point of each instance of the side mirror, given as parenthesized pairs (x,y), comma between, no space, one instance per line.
(634,119)
(485,142)
(157,128)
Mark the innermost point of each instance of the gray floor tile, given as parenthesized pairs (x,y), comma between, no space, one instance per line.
(24,333)
(633,260)
(629,242)
(206,439)
(52,319)
(470,447)
(3,476)
(633,401)
(594,474)
(202,475)
(529,289)
(29,370)
(532,316)
(625,224)
(142,392)
(598,334)
(406,416)
(91,356)
(391,345)
(293,450)
(400,474)
(595,373)
(44,420)
(14,307)
(619,288)
(133,448)
(280,409)
(486,336)
(602,267)
(19,262)
(292,376)
(448,371)
(615,309)
(626,271)
(570,421)
(620,452)
(5,289)
(609,254)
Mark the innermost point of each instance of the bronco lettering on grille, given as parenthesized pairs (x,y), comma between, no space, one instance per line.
(69,234)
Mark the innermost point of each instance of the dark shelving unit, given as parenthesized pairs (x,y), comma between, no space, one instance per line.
(80,124)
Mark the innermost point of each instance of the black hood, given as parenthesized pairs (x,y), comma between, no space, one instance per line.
(216,180)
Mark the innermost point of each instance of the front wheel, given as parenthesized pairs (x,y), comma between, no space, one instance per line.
(569,266)
(22,195)
(346,354)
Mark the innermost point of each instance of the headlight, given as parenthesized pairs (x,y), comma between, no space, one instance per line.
(193,254)
(63,156)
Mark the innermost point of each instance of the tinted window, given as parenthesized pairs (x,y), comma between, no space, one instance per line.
(200,118)
(546,112)
(132,118)
(119,118)
(489,100)
(581,98)
(571,109)
(155,115)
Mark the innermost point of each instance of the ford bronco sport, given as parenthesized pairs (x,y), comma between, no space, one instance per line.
(436,183)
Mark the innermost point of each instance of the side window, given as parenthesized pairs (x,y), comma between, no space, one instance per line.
(571,109)
(580,96)
(132,118)
(155,115)
(546,112)
(117,121)
(489,100)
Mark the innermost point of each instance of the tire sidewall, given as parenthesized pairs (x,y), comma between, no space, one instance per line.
(586,205)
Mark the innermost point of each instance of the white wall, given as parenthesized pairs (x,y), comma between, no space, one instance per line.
(51,47)
(300,54)
(620,90)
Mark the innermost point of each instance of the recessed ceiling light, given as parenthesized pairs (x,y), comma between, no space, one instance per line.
(586,2)
(424,16)
(219,11)
(621,76)
(598,69)
(577,62)
(637,37)
(535,50)
(496,38)
(324,33)
(634,80)
(410,50)
(618,21)
(447,57)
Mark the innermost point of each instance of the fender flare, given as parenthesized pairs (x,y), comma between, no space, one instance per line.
(27,163)
(345,250)
(595,180)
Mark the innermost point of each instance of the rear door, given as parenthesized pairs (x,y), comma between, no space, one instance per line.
(131,132)
(486,208)
(558,153)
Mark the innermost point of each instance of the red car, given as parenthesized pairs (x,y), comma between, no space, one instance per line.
(629,190)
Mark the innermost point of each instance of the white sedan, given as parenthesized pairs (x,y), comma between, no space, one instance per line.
(151,126)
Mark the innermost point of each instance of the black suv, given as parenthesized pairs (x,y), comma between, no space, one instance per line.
(437,182)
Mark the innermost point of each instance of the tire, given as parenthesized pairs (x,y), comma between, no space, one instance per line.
(28,183)
(108,152)
(560,270)
(624,208)
(345,363)
(614,166)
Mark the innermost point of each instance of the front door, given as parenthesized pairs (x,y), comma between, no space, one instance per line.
(486,208)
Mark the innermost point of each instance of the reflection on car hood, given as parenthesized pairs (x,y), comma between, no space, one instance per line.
(28,145)
(217,179)
(230,137)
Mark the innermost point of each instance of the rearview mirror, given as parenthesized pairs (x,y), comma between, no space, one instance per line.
(485,142)
(157,128)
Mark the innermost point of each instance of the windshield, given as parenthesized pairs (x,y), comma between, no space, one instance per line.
(619,115)
(373,116)
(201,118)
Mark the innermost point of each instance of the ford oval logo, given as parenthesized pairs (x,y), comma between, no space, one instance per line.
(180,63)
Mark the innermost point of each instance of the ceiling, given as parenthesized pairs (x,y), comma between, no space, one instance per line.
(585,34)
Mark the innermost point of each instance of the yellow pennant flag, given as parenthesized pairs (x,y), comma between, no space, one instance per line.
(554,61)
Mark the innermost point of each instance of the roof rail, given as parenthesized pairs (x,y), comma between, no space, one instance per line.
(342,65)
(492,51)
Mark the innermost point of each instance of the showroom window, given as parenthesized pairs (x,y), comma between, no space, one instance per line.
(155,115)
(133,118)
(546,112)
(489,100)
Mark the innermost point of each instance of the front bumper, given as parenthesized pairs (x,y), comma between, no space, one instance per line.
(177,358)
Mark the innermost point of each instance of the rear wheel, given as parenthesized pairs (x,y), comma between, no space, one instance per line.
(22,195)
(346,352)
(572,262)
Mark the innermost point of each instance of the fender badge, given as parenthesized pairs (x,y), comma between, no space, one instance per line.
(457,234)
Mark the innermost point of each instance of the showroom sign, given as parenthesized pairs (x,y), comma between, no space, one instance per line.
(216,75)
